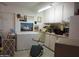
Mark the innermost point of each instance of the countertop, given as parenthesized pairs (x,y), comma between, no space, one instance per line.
(63,36)
(30,32)
(72,42)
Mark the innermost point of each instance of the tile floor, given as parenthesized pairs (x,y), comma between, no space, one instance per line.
(25,53)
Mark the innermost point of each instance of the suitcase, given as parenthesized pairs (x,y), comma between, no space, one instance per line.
(36,51)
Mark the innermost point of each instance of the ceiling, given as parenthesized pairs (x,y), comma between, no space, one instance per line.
(23,4)
(28,5)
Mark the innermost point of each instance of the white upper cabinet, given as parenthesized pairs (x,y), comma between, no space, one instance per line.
(58,13)
(52,16)
(68,11)
(49,15)
(47,41)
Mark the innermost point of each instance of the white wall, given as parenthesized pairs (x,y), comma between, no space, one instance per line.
(7,21)
(15,9)
(17,28)
(8,16)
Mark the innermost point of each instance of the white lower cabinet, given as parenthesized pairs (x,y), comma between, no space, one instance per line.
(47,40)
(24,41)
(50,41)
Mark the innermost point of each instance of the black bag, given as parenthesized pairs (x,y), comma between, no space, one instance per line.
(36,50)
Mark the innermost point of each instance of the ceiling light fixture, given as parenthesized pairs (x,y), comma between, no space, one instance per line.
(45,8)
(49,6)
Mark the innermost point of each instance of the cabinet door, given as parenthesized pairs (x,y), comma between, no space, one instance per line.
(68,11)
(47,40)
(49,15)
(52,42)
(20,42)
(58,13)
(52,15)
